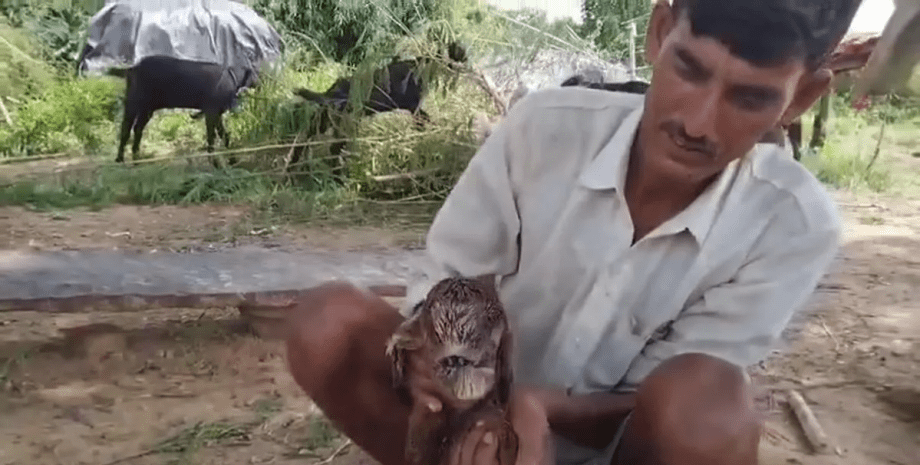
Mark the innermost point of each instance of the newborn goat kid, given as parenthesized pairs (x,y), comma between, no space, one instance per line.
(457,340)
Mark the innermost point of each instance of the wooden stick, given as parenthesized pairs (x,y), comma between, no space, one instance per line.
(336,453)
(813,432)
(480,78)
(409,175)
(290,154)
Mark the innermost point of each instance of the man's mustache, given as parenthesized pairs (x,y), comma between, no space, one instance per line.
(681,138)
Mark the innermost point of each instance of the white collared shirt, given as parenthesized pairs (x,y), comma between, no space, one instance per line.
(541,205)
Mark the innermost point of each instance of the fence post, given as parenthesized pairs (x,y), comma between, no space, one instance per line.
(632,50)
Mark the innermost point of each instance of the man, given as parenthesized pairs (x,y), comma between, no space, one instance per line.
(647,248)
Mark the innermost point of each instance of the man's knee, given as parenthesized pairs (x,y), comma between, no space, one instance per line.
(329,324)
(699,408)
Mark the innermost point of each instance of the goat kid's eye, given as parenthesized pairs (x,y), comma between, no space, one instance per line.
(455,361)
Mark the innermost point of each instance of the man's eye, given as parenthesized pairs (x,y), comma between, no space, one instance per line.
(687,68)
(750,102)
(684,69)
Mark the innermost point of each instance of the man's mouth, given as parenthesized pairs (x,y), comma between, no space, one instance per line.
(687,146)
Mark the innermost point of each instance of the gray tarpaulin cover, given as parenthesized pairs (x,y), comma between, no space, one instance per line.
(217,31)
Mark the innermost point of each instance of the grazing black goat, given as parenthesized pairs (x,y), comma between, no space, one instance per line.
(397,86)
(157,82)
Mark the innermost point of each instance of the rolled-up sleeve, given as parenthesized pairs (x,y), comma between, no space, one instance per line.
(740,320)
(476,230)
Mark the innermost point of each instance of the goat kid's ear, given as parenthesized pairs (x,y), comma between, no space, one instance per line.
(503,368)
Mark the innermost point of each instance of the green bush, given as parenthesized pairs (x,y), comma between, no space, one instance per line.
(58,26)
(74,114)
(22,73)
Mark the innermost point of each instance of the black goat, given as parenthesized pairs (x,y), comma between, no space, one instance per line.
(397,86)
(631,87)
(158,82)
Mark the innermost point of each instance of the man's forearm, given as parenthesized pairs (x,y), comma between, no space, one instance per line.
(590,420)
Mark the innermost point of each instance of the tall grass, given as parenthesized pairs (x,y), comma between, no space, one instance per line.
(867,150)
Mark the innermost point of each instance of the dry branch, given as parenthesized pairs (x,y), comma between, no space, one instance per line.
(409,175)
(290,154)
(336,453)
(6,114)
(813,431)
(480,78)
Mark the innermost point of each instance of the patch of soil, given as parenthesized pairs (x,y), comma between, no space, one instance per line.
(199,227)
(197,387)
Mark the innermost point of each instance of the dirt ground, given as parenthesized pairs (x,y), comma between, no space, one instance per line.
(193,386)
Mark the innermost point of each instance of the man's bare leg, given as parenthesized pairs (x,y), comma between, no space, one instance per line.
(336,352)
(692,409)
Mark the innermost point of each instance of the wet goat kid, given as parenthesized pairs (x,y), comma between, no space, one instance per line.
(457,345)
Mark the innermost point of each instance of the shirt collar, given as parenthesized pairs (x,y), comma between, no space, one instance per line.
(608,171)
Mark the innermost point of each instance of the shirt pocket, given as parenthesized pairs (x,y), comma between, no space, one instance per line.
(624,340)
(613,356)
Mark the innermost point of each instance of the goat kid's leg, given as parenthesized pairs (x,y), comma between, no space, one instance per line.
(142,119)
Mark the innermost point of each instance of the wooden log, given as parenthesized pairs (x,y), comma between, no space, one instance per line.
(814,433)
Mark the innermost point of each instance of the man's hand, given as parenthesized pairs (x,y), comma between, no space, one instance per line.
(528,418)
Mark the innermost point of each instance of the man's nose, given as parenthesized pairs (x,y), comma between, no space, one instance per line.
(700,122)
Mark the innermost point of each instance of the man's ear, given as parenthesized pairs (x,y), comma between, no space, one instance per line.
(811,87)
(660,25)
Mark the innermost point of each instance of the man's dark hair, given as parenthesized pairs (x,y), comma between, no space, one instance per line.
(770,32)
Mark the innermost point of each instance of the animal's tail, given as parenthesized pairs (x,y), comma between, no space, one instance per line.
(309,95)
(117,72)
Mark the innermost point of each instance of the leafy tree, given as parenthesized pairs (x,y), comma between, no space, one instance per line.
(606,23)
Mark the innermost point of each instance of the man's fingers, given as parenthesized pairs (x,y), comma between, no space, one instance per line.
(469,444)
(487,451)
(426,398)
(430,402)
(455,454)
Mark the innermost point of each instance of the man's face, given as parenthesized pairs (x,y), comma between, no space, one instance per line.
(705,107)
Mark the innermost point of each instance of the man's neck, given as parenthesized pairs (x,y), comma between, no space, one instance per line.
(654,198)
(644,184)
